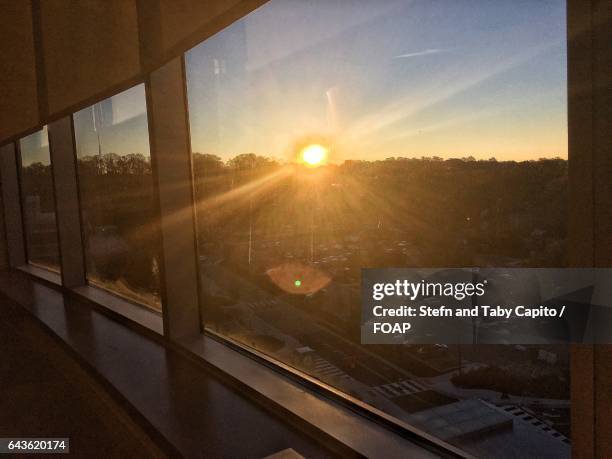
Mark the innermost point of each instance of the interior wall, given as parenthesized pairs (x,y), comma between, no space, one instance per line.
(87,47)
(602,179)
(18,92)
(4,264)
(176,22)
(590,207)
(62,55)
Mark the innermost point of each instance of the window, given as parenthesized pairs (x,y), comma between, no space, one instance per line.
(117,199)
(331,136)
(38,201)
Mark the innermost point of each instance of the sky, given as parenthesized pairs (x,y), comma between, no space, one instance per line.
(387,78)
(115,125)
(34,148)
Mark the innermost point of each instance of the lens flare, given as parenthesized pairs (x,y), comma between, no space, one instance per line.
(314,155)
(298,278)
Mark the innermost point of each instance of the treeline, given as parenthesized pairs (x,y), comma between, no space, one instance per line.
(36,180)
(119,216)
(447,210)
(451,211)
(114,164)
(463,207)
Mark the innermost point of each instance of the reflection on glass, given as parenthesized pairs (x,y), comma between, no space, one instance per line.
(328,137)
(116,193)
(38,201)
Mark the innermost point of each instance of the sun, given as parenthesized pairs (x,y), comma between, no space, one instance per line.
(314,155)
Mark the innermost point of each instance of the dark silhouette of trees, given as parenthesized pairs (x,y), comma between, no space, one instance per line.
(36,180)
(249,161)
(447,212)
(119,221)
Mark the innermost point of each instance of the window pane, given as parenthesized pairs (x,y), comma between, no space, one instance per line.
(117,200)
(332,136)
(38,201)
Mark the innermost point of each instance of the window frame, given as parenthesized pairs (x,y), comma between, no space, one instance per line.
(91,289)
(318,386)
(42,271)
(580,59)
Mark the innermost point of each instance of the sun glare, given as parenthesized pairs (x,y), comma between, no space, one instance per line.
(314,155)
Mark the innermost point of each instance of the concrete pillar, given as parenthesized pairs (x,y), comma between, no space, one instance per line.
(171,160)
(11,199)
(590,207)
(70,240)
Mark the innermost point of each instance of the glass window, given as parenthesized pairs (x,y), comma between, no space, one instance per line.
(332,136)
(117,199)
(38,201)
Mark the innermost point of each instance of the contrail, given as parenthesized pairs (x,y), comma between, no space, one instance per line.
(421,53)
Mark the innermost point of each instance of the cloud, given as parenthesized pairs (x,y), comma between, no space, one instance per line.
(425,52)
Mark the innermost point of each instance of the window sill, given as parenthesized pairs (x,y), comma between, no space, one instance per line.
(122,308)
(298,399)
(182,407)
(343,424)
(41,273)
(127,312)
